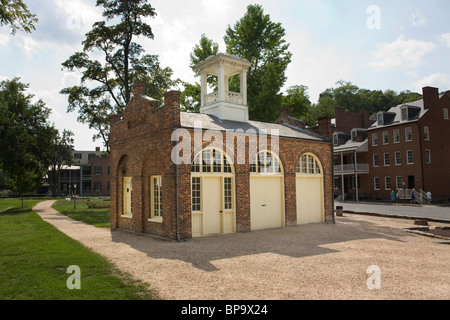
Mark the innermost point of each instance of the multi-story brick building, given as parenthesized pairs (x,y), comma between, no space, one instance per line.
(88,175)
(183,175)
(405,148)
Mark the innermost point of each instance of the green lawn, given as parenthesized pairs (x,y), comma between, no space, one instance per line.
(96,217)
(34,257)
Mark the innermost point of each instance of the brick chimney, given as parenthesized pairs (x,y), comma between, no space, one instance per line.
(430,97)
(284,115)
(324,128)
(172,105)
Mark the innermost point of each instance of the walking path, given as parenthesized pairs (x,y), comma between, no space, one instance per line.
(320,261)
(429,212)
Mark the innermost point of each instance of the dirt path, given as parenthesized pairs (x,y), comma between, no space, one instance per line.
(324,261)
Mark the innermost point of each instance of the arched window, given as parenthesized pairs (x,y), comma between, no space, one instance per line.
(266,162)
(309,164)
(211,161)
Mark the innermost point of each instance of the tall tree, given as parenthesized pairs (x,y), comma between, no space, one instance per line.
(25,136)
(16,14)
(259,40)
(297,100)
(191,95)
(106,87)
(60,154)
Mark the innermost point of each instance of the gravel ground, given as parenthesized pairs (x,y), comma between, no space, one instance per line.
(318,262)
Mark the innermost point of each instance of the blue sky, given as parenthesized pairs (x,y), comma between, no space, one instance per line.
(376,45)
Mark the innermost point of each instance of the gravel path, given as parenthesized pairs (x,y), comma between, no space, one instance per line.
(323,261)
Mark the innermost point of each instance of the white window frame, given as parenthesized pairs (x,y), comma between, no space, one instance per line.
(426,133)
(428,156)
(398,160)
(445,113)
(375,156)
(404,113)
(396,136)
(407,157)
(376,181)
(156,213)
(398,183)
(388,158)
(408,130)
(374,139)
(385,137)
(386,179)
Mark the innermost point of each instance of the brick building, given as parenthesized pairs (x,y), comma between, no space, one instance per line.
(88,175)
(405,148)
(181,175)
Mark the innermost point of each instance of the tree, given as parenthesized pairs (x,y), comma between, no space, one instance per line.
(260,41)
(60,154)
(25,136)
(106,87)
(15,13)
(297,100)
(191,95)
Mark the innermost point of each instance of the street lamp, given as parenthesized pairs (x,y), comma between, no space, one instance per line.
(75,196)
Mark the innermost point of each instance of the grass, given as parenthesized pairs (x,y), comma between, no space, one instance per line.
(34,257)
(98,217)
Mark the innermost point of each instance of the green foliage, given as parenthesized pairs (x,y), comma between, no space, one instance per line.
(191,97)
(354,99)
(34,260)
(15,13)
(297,100)
(260,41)
(25,136)
(92,212)
(106,87)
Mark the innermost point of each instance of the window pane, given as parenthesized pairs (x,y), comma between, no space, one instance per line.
(196,187)
(227,193)
(206,163)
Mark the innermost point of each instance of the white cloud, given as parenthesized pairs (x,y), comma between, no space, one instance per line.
(27,44)
(4,38)
(401,52)
(417,19)
(437,80)
(445,38)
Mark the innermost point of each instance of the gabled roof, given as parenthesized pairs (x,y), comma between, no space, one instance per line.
(210,122)
(350,145)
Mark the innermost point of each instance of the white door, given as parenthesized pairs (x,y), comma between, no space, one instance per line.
(212,208)
(309,200)
(266,206)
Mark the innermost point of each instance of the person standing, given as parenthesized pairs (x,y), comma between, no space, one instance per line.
(413,195)
(393,196)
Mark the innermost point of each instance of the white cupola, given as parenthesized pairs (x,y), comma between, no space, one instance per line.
(223,103)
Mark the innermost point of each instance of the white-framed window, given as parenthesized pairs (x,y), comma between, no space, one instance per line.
(410,157)
(266,163)
(156,197)
(387,160)
(387,183)
(445,114)
(376,183)
(399,182)
(375,139)
(309,165)
(211,161)
(227,193)
(396,136)
(376,161)
(427,156)
(380,119)
(196,186)
(398,158)
(426,133)
(335,139)
(385,137)
(354,135)
(408,134)
(404,113)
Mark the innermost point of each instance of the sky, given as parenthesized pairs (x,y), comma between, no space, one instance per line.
(376,45)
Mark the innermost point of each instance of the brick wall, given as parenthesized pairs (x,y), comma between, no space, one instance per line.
(141,147)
